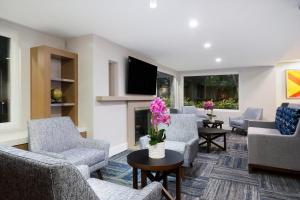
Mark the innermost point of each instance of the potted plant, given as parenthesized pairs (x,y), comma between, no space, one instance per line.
(209,105)
(157,136)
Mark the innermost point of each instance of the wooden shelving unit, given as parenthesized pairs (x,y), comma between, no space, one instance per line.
(53,68)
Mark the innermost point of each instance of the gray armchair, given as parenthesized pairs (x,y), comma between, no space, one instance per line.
(26,175)
(181,136)
(193,110)
(59,138)
(243,121)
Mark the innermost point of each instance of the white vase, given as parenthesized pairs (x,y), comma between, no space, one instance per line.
(157,151)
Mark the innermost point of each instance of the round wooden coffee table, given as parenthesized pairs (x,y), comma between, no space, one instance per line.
(215,124)
(171,163)
(210,134)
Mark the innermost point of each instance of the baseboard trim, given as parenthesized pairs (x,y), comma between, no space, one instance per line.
(117,149)
(254,167)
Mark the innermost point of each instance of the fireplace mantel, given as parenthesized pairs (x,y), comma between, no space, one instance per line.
(124,98)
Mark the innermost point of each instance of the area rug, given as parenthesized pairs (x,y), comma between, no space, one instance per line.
(217,175)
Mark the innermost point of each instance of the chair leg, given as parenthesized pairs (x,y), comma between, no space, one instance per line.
(99,174)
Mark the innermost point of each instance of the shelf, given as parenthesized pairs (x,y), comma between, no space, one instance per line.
(63,80)
(62,104)
(124,98)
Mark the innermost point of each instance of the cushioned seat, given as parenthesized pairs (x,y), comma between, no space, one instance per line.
(175,146)
(106,190)
(84,156)
(238,122)
(264,131)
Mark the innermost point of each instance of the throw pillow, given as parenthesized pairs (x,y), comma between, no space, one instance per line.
(289,120)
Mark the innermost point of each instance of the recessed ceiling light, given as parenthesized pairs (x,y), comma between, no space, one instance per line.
(153,3)
(207,45)
(193,23)
(218,60)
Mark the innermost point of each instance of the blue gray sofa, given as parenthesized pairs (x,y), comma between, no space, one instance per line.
(272,148)
(26,175)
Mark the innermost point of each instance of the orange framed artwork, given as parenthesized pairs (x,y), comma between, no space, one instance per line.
(293,84)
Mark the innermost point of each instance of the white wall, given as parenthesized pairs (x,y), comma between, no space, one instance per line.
(23,39)
(281,81)
(109,119)
(257,88)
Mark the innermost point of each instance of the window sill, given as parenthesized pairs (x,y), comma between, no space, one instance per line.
(223,110)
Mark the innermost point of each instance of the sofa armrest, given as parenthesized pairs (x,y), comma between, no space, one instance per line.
(95,144)
(151,192)
(261,124)
(51,154)
(84,170)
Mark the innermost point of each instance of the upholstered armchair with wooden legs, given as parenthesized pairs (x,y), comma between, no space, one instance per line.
(181,136)
(59,138)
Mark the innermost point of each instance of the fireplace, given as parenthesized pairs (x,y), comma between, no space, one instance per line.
(142,123)
(138,116)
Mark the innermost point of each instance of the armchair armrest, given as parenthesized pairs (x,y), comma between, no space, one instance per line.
(96,144)
(84,170)
(151,191)
(261,124)
(51,154)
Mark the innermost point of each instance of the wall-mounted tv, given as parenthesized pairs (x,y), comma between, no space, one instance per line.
(141,77)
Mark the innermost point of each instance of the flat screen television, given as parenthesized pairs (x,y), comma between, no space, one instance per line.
(141,77)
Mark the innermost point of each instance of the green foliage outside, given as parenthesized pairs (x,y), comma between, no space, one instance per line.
(167,101)
(229,103)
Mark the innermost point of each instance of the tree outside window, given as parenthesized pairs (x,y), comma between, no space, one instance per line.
(222,89)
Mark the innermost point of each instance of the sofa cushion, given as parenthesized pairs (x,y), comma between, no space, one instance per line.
(287,119)
(263,131)
(84,156)
(110,191)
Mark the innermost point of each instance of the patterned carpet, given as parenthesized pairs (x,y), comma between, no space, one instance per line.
(218,175)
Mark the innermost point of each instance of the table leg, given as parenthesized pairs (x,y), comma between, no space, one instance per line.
(134,178)
(143,178)
(208,143)
(165,181)
(225,145)
(178,184)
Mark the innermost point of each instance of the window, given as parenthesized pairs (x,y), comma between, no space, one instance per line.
(165,89)
(222,89)
(4,79)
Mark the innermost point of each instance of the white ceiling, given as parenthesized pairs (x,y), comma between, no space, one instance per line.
(242,32)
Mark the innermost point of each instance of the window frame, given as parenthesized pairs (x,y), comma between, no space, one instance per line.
(14,85)
(173,87)
(213,74)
